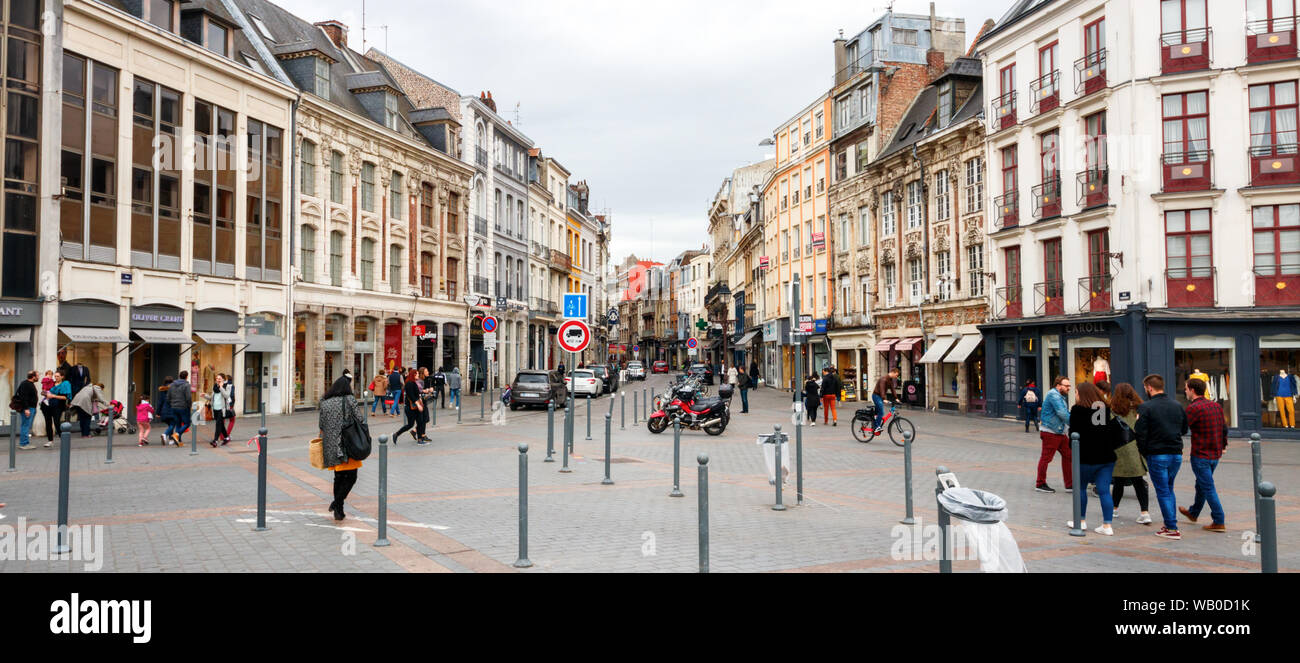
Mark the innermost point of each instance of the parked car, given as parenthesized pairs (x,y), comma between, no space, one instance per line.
(659,367)
(585,382)
(635,371)
(702,371)
(536,388)
(608,375)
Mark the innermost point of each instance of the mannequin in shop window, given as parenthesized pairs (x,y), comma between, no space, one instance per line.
(1100,370)
(1198,374)
(1284,395)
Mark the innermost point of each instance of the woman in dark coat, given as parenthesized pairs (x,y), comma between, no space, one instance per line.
(337,408)
(1099,436)
(812,398)
(413,405)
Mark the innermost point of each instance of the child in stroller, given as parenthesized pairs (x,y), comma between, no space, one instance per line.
(112,416)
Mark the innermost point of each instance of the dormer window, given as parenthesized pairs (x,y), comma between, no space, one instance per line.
(322,87)
(390,111)
(216,37)
(161,14)
(945,104)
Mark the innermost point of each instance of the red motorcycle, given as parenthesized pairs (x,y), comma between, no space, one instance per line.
(708,414)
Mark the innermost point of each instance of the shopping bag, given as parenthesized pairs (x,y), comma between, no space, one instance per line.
(316,453)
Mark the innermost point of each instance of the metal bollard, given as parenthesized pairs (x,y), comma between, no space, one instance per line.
(458,410)
(569,423)
(65,470)
(779,478)
(433,414)
(365,407)
(1268,520)
(650,405)
(645,405)
(261,481)
(194,439)
(565,442)
(609,424)
(381,541)
(622,411)
(482,404)
(522,562)
(703,481)
(261,410)
(907,476)
(13,450)
(112,426)
(635,411)
(1257,462)
(589,418)
(1079,494)
(550,432)
(677,459)
(945,523)
(798,460)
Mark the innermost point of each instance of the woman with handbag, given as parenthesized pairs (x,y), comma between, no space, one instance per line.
(338,408)
(220,405)
(1099,436)
(413,405)
(1130,467)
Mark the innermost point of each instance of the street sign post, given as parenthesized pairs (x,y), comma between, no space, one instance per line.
(575,305)
(489,324)
(574,336)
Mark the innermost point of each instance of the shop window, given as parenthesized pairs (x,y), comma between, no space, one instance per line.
(1279,376)
(1091,358)
(948,381)
(1212,360)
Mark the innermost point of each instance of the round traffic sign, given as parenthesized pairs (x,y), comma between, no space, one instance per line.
(489,324)
(574,336)
(692,343)
(636,348)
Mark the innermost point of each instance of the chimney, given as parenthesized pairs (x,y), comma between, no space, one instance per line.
(841,59)
(490,103)
(337,32)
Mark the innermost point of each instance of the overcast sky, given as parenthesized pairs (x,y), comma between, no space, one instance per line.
(653,104)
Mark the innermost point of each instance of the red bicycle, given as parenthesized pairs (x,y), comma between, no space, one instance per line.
(865,432)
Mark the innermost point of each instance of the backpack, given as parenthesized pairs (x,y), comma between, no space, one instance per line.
(355,436)
(1030,396)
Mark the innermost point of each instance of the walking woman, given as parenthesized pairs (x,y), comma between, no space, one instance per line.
(413,405)
(165,414)
(220,407)
(56,404)
(812,397)
(337,409)
(1130,467)
(1099,435)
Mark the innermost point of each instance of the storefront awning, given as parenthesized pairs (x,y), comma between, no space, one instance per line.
(886,345)
(16,335)
(907,344)
(221,338)
(157,337)
(744,340)
(263,343)
(964,348)
(938,350)
(94,335)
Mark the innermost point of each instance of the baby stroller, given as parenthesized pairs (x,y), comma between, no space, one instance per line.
(113,416)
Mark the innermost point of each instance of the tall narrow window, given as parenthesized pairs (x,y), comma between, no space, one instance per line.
(1188,246)
(426,205)
(915,205)
(322,79)
(336,258)
(336,177)
(156,201)
(942,198)
(308,183)
(395,269)
(1052,301)
(975,270)
(368,186)
(1273,119)
(943,264)
(891,285)
(1013,300)
(453,213)
(426,275)
(395,202)
(1186,124)
(1277,240)
(368,264)
(1094,41)
(308,256)
(1010,172)
(1095,142)
(263,237)
(916,280)
(89,228)
(974,185)
(22,152)
(888,221)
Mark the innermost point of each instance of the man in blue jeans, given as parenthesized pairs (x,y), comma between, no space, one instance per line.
(1209,440)
(884,387)
(395,390)
(1161,425)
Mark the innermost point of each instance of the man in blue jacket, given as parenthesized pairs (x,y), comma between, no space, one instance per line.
(1055,416)
(395,384)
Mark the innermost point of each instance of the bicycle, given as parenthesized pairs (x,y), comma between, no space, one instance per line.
(896,425)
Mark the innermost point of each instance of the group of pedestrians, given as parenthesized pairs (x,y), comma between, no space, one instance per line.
(823,391)
(742,381)
(444,387)
(57,395)
(1123,439)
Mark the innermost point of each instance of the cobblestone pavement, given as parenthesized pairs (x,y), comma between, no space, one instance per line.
(452,505)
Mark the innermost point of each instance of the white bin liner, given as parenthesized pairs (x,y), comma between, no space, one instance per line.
(768,443)
(981,516)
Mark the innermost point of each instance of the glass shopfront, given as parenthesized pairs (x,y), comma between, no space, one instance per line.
(364,332)
(18,320)
(1209,358)
(1279,375)
(334,341)
(301,354)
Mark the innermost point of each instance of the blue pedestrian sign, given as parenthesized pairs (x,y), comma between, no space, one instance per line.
(575,305)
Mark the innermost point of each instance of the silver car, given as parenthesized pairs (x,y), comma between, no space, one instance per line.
(635,370)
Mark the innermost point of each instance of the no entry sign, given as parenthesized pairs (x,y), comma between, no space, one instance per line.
(574,336)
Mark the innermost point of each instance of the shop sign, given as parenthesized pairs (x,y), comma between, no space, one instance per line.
(764,262)
(1085,328)
(154,317)
(20,313)
(820,326)
(806,324)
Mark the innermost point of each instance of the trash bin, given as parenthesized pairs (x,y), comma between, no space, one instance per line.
(981,516)
(768,442)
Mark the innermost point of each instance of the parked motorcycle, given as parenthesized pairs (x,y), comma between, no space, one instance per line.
(710,415)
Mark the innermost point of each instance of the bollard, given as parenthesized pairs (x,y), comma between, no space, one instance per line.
(482,404)
(677,459)
(261,481)
(1268,519)
(1257,462)
(645,405)
(550,432)
(194,439)
(570,412)
(433,414)
(458,409)
(589,418)
(779,478)
(522,562)
(381,541)
(261,410)
(798,460)
(652,404)
(564,444)
(365,408)
(635,411)
(112,426)
(609,424)
(945,523)
(1078,493)
(65,469)
(622,411)
(907,477)
(703,481)
(13,450)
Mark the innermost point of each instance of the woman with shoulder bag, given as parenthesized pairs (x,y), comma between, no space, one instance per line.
(220,405)
(337,409)
(413,405)
(1099,436)
(1130,467)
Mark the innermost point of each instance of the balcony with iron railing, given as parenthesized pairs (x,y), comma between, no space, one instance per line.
(1274,164)
(1271,40)
(1094,188)
(1090,73)
(1008,211)
(1009,303)
(1047,199)
(1191,287)
(1049,298)
(1095,293)
(481,157)
(1046,93)
(1003,115)
(1187,171)
(480,225)
(1277,286)
(1185,50)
